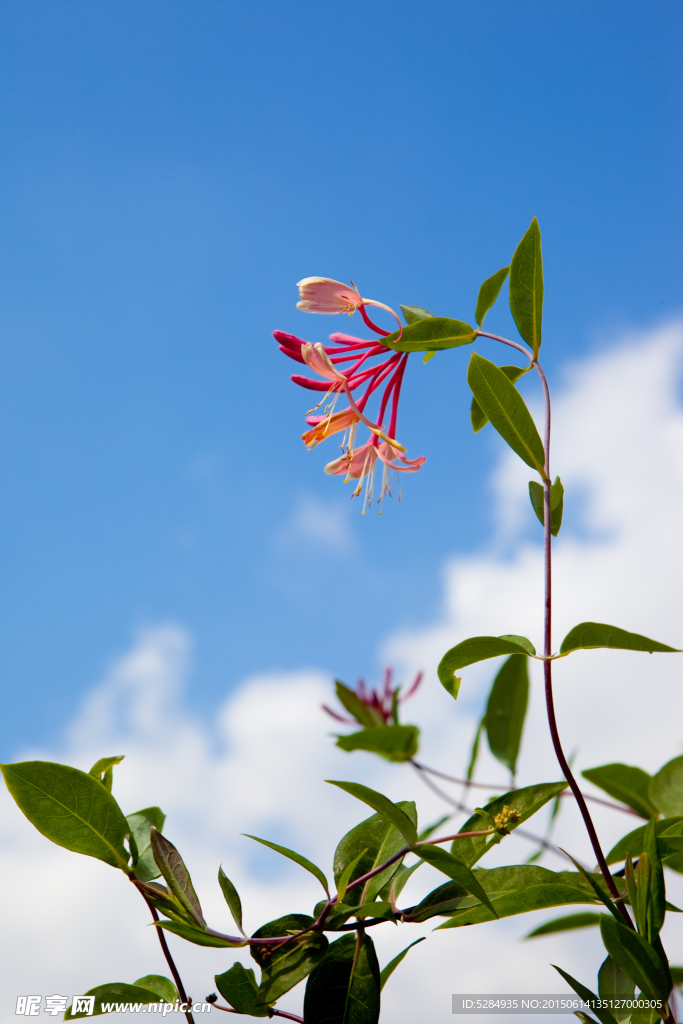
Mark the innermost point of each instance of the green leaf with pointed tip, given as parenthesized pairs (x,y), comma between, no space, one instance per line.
(163,987)
(604,1016)
(475,749)
(232,897)
(238,986)
(457,871)
(669,833)
(398,881)
(392,742)
(636,957)
(533,897)
(556,503)
(114,992)
(502,403)
(429,354)
(102,770)
(364,714)
(286,965)
(488,293)
(413,314)
(598,888)
(297,858)
(477,415)
(614,984)
(141,824)
(506,710)
(381,840)
(70,808)
(344,988)
(432,334)
(588,635)
(526,287)
(626,783)
(526,801)
(666,788)
(172,867)
(656,895)
(477,648)
(200,936)
(387,971)
(564,924)
(382,804)
(345,876)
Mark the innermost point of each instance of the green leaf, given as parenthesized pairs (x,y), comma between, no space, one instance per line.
(70,808)
(344,988)
(475,750)
(677,975)
(666,788)
(488,293)
(387,971)
(457,871)
(526,801)
(669,833)
(200,936)
(413,314)
(526,895)
(477,415)
(297,858)
(382,804)
(604,1016)
(656,895)
(345,876)
(397,883)
(636,957)
(381,840)
(363,713)
(526,287)
(504,406)
(434,333)
(231,898)
(172,867)
(598,888)
(626,783)
(506,710)
(102,770)
(392,742)
(586,919)
(614,984)
(114,992)
(141,824)
(283,967)
(478,648)
(238,986)
(536,494)
(588,635)
(163,987)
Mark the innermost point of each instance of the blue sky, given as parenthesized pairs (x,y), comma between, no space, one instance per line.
(170,170)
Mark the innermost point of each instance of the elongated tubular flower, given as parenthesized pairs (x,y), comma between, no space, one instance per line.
(324,295)
(381,700)
(323,426)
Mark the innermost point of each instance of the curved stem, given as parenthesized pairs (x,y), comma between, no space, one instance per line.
(167,954)
(506,341)
(547,664)
(497,787)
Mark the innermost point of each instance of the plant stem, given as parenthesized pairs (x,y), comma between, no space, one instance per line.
(497,787)
(273,1013)
(547,664)
(167,953)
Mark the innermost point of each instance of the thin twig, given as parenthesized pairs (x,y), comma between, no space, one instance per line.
(167,953)
(273,1012)
(497,788)
(468,810)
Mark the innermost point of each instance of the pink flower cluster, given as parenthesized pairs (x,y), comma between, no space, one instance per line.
(346,365)
(380,701)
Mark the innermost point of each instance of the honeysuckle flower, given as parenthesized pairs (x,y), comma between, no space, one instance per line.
(344,367)
(324,295)
(324,426)
(381,702)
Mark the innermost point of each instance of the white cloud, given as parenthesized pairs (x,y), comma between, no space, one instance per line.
(323,524)
(71,922)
